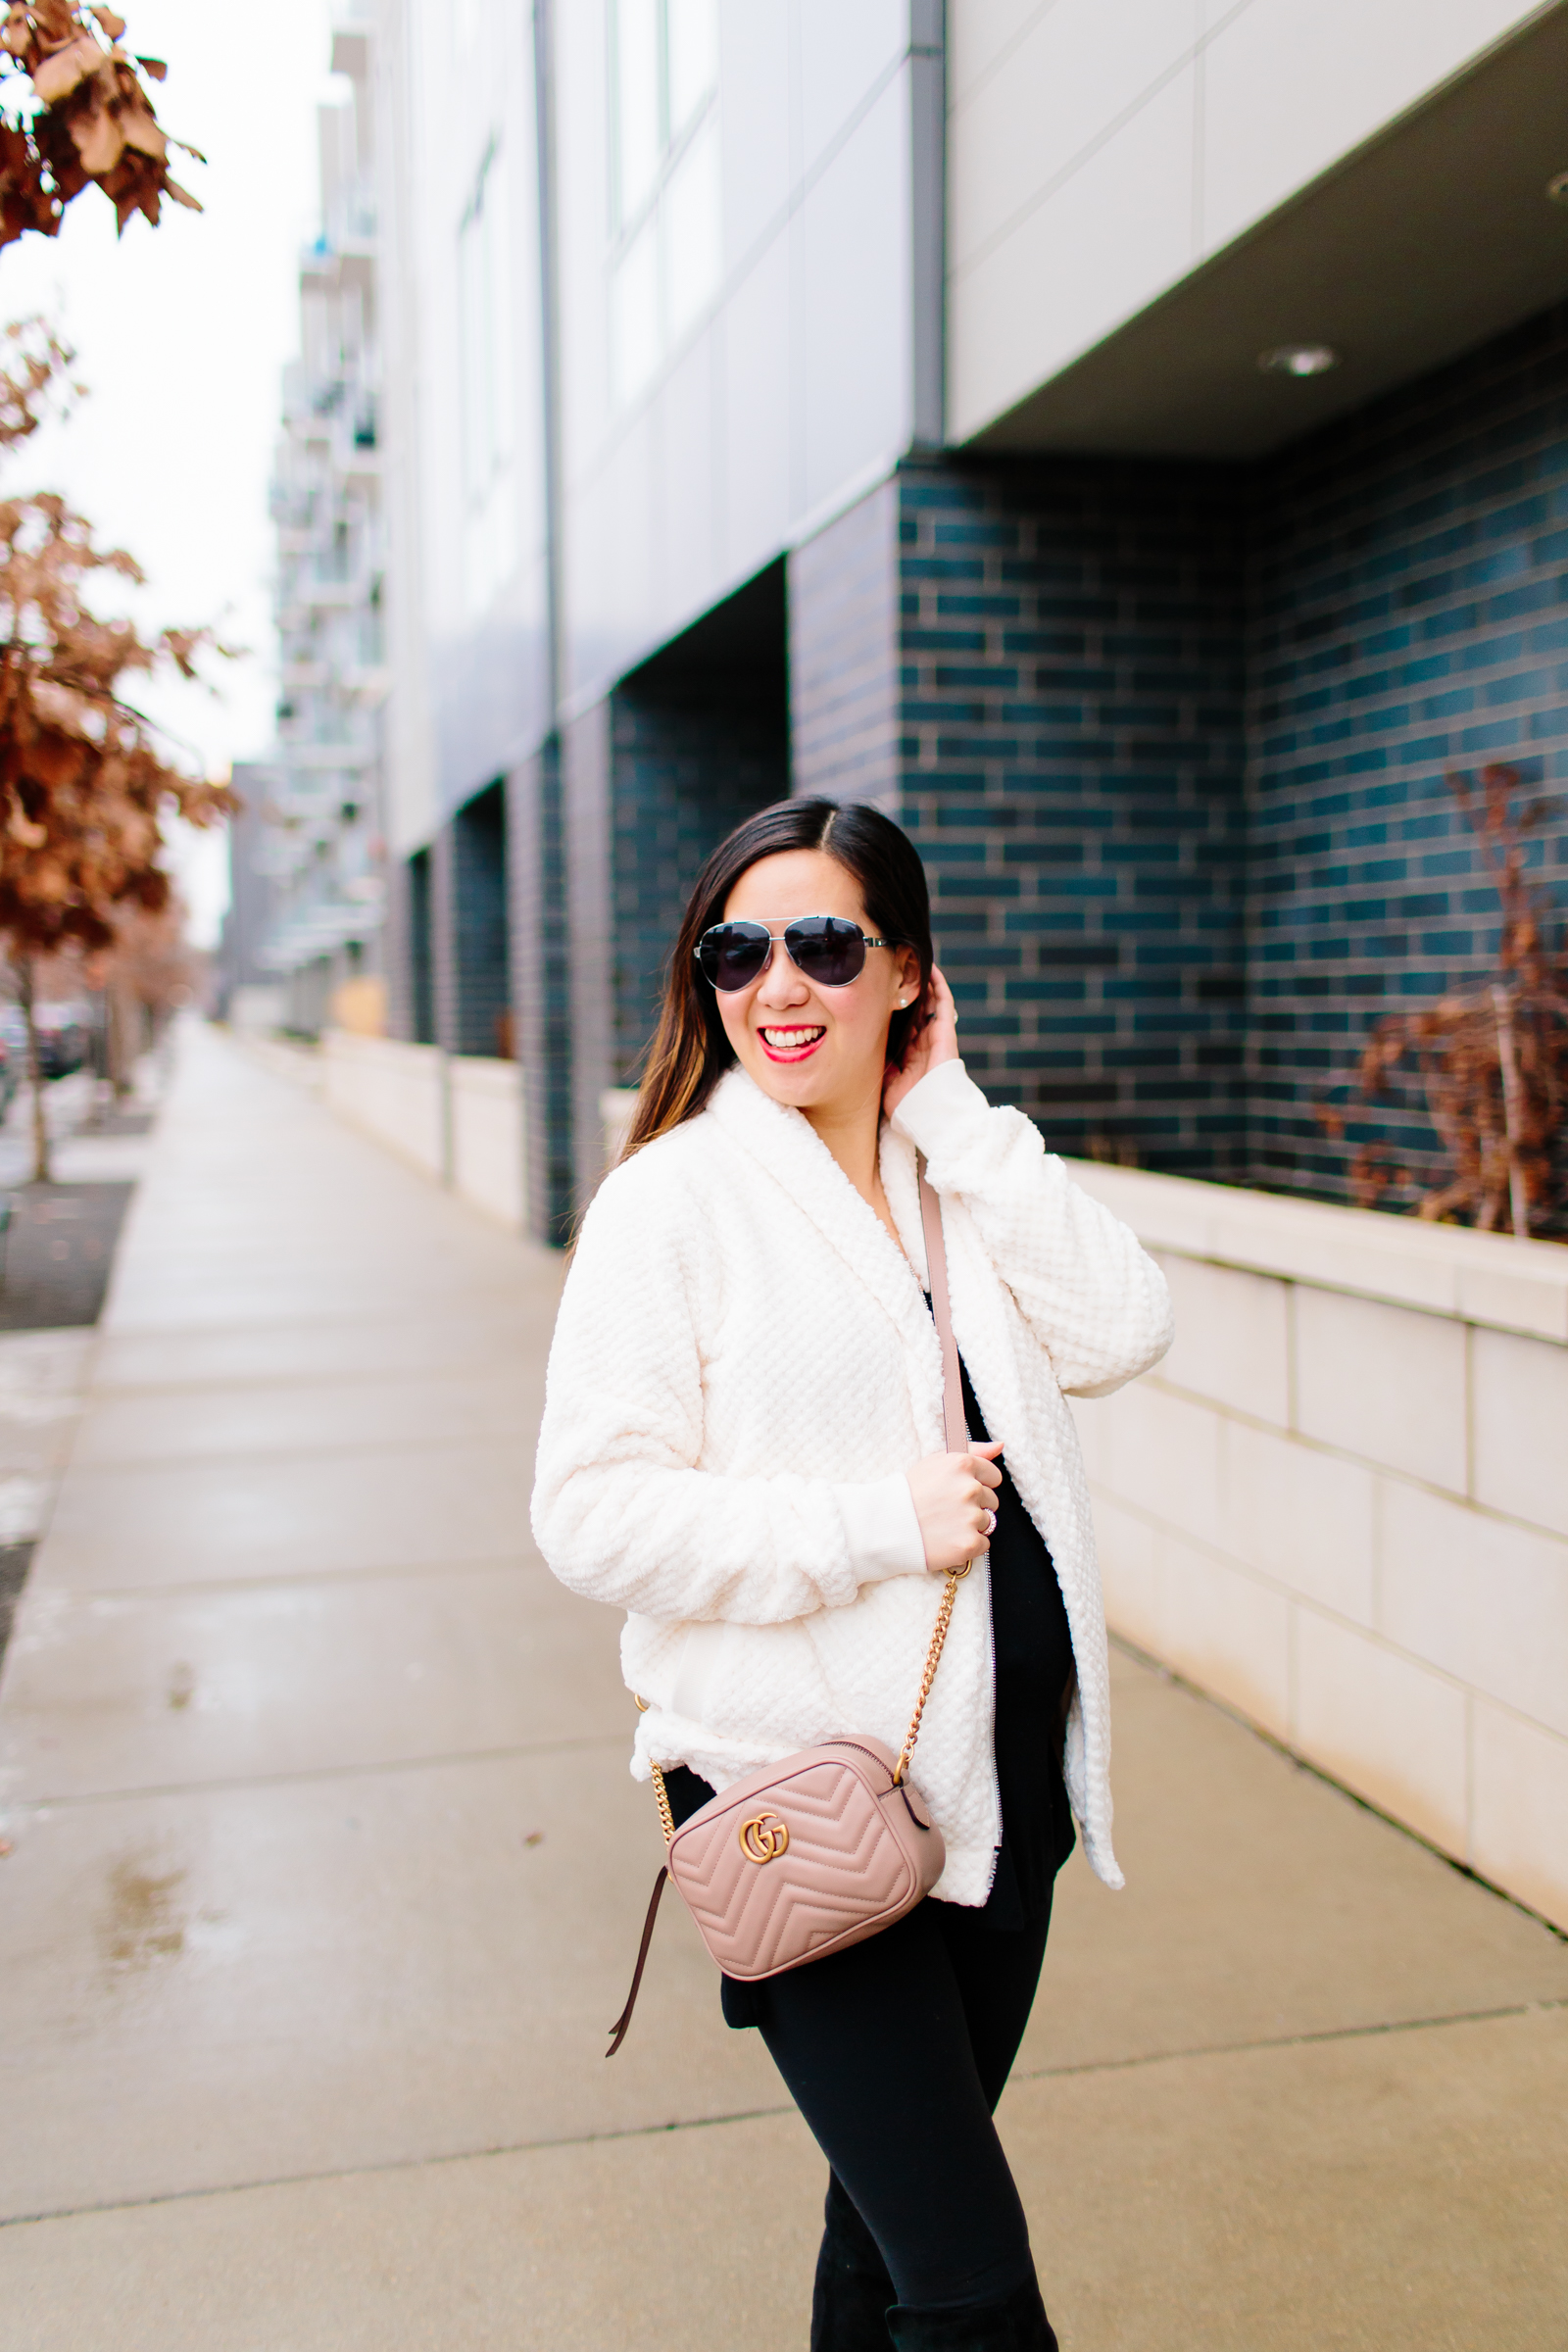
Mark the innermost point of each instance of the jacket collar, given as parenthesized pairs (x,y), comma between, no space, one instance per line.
(790,1153)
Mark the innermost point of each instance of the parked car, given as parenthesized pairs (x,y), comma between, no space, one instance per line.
(64,1037)
(13,1053)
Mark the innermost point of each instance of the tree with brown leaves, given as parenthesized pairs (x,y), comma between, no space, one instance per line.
(76,111)
(84,781)
(1493,1059)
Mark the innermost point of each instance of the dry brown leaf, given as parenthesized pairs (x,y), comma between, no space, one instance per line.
(55,77)
(142,132)
(99,142)
(95,121)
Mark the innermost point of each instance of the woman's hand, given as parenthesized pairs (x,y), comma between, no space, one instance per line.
(955,1501)
(935,1040)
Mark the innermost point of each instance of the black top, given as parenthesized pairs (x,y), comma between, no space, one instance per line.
(1033,1649)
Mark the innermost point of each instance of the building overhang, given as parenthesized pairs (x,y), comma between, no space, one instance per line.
(1428,240)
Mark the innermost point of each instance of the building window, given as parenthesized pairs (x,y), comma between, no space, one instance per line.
(665,203)
(488,390)
(483,329)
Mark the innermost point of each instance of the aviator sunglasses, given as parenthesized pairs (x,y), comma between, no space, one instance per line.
(827,949)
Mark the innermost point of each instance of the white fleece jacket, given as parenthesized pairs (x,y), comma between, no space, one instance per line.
(743,1370)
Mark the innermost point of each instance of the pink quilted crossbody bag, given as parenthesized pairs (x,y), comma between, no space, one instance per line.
(805,1857)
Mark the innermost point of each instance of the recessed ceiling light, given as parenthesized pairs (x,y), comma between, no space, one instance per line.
(1557,190)
(1299,359)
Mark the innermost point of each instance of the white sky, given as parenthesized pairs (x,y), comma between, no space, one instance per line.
(180,333)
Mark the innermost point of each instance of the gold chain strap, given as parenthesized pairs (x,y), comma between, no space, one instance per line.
(666,1818)
(933,1659)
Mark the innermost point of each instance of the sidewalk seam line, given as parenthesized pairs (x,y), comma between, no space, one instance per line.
(316,1773)
(296,1451)
(748,2115)
(490,1564)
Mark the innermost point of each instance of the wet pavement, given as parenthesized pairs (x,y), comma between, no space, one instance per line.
(326,1873)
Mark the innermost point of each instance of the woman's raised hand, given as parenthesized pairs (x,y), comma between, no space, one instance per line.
(934,1040)
(955,1501)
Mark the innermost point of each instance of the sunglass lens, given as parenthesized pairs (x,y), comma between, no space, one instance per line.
(827,949)
(731,954)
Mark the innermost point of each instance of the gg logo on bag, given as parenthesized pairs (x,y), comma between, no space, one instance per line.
(763,1837)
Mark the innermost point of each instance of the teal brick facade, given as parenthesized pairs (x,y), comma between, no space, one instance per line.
(1171,738)
(1408,616)
(1071,767)
(1173,742)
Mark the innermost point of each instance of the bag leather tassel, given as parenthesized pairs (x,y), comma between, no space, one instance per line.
(623,2021)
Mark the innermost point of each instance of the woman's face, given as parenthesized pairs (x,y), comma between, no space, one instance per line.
(817,1048)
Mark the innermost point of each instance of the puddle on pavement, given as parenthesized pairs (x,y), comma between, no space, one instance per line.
(14,1561)
(142,1924)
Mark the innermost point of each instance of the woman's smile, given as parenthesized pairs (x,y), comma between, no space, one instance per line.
(781,1044)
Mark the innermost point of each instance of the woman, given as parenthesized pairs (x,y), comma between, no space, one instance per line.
(743,1448)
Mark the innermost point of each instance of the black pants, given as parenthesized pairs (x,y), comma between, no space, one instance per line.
(895,2052)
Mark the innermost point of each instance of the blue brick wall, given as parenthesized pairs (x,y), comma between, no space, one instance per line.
(411,992)
(541,985)
(685,774)
(1171,739)
(1408,602)
(844,656)
(1071,704)
(468,927)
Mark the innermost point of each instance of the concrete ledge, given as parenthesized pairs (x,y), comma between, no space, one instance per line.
(487,1139)
(1340,1505)
(460,1117)
(397,1091)
(1487,1278)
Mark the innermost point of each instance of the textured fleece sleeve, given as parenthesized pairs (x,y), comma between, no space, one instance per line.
(1096,1300)
(620,1510)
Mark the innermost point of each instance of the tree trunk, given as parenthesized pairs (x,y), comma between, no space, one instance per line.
(41,1124)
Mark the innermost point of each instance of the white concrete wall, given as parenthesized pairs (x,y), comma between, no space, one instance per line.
(458,1117)
(487,1136)
(466,575)
(397,1092)
(789,387)
(1341,1505)
(1100,150)
(618,1108)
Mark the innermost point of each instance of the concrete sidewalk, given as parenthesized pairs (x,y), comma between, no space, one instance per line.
(327,1874)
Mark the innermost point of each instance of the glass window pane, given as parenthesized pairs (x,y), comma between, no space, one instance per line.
(484,330)
(634,315)
(693,58)
(635,68)
(473,358)
(694,229)
(495,198)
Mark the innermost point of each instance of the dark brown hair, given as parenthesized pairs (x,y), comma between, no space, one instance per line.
(690,1052)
